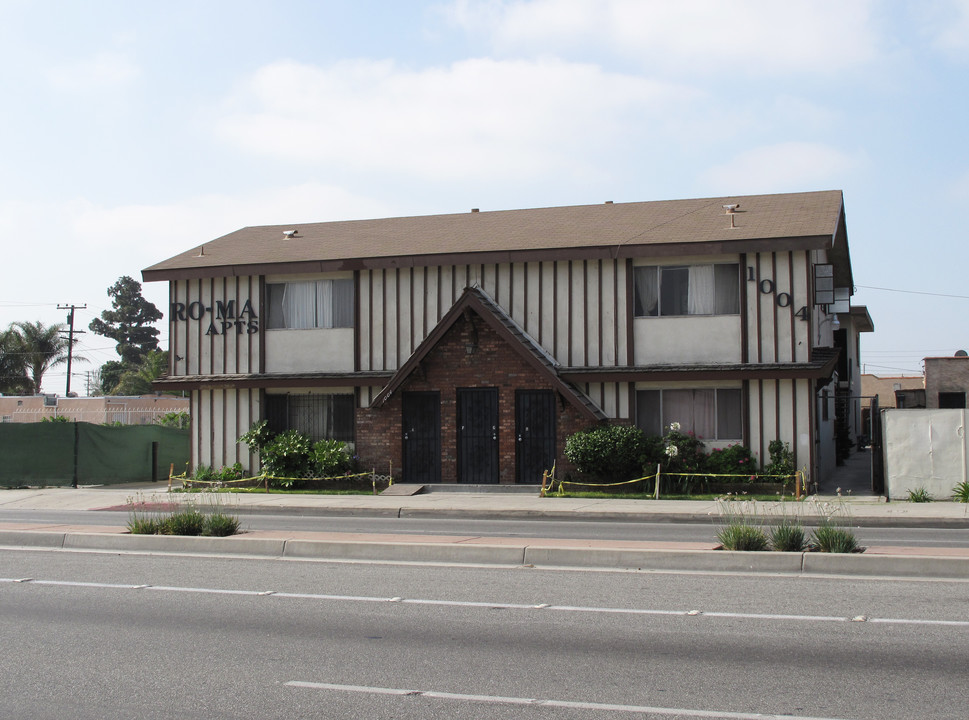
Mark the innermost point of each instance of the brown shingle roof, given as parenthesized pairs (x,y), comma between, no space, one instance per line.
(763,223)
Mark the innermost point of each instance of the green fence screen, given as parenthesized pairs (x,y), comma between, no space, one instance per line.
(86,454)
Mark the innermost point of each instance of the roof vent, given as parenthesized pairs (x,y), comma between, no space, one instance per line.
(289,233)
(475,210)
(608,202)
(961,353)
(730,210)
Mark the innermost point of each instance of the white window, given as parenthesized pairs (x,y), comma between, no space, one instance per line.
(709,413)
(687,290)
(310,304)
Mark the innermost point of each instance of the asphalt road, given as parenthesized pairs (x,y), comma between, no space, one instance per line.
(539,528)
(97,635)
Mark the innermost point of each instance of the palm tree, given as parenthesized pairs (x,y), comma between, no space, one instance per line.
(13,366)
(139,380)
(44,347)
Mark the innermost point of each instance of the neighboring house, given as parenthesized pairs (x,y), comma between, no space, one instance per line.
(127,410)
(468,347)
(885,388)
(946,382)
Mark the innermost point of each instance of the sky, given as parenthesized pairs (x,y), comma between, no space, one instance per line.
(130,131)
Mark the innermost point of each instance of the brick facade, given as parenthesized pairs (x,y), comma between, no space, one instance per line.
(492,363)
(945,375)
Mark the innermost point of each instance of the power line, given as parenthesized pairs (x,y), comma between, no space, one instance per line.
(912,292)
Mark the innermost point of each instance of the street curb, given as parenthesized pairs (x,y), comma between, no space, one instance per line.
(605,558)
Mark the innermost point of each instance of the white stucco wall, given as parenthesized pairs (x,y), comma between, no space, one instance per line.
(329,349)
(924,449)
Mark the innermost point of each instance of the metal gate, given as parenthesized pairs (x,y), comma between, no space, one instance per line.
(535,434)
(478,435)
(421,426)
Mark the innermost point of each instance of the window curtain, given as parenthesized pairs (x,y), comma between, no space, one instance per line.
(728,289)
(342,303)
(299,305)
(646,291)
(678,408)
(324,303)
(704,414)
(702,290)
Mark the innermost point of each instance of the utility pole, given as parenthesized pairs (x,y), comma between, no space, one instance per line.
(70,339)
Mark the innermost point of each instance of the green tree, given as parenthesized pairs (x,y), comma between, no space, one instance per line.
(129,323)
(13,364)
(138,381)
(44,347)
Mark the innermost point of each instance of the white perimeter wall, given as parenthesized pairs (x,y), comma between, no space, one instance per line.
(924,449)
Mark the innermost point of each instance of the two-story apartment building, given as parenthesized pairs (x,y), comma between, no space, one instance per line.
(467,347)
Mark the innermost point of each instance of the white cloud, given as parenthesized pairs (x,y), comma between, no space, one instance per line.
(784,167)
(948,27)
(86,247)
(757,37)
(477,118)
(104,71)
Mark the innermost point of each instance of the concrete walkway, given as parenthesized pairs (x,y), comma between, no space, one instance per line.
(854,510)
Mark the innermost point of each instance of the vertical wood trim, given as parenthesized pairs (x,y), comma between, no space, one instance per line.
(777,409)
(794,417)
(555,316)
(383,318)
(599,303)
(569,295)
(261,339)
(370,336)
(615,316)
(424,303)
(585,313)
(809,301)
(439,299)
(198,359)
(792,307)
(775,313)
(525,299)
(396,318)
(224,338)
(759,328)
(511,290)
(630,306)
(760,410)
(172,334)
(745,415)
(541,305)
(413,316)
(357,336)
(745,312)
(225,434)
(211,340)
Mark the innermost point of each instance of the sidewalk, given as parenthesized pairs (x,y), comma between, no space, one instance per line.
(862,511)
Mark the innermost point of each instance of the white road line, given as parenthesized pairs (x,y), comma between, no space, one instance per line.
(532,607)
(550,703)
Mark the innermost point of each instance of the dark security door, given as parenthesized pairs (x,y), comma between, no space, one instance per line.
(534,434)
(421,426)
(478,435)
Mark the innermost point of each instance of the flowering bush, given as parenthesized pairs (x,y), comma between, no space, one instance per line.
(731,460)
(683,451)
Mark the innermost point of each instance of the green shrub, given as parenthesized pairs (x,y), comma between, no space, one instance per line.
(614,452)
(787,536)
(189,521)
(174,419)
(219,524)
(919,495)
(330,458)
(731,460)
(144,525)
(960,492)
(286,455)
(833,539)
(781,459)
(742,536)
(57,419)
